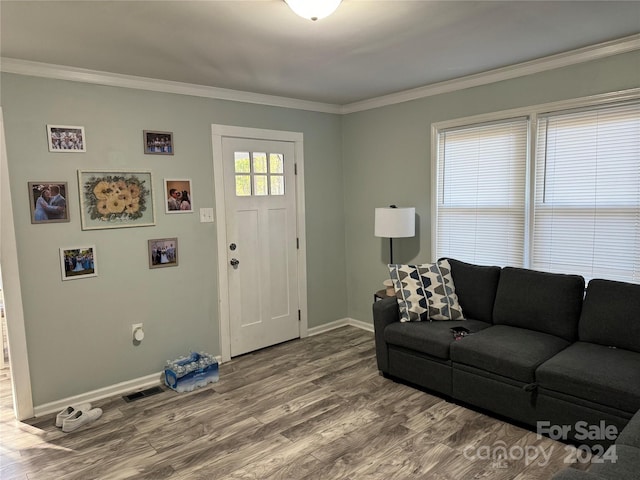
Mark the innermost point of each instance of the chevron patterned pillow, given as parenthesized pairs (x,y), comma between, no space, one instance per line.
(412,301)
(443,301)
(425,292)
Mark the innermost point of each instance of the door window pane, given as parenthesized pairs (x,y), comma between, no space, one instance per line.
(259,162)
(260,185)
(242,164)
(277,185)
(243,185)
(276,163)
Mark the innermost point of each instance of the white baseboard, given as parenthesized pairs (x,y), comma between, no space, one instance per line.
(327,327)
(122,388)
(154,379)
(95,395)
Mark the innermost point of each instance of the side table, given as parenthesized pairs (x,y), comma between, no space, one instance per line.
(380,295)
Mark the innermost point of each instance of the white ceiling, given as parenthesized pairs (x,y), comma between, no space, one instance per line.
(366,49)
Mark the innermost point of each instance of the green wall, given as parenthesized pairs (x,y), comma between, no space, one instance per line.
(387,159)
(79,332)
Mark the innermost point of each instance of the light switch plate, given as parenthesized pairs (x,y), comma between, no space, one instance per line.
(206,215)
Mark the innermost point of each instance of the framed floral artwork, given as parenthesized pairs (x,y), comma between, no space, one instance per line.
(116,199)
(78,262)
(163,252)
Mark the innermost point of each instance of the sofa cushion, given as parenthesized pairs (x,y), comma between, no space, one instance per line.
(604,375)
(545,302)
(625,467)
(425,291)
(431,338)
(610,314)
(631,433)
(476,287)
(511,352)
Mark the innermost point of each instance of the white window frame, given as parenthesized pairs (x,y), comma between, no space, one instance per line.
(510,207)
(532,113)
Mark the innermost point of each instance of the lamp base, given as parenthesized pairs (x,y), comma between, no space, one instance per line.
(389,290)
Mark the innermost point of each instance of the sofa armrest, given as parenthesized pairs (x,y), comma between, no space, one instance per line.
(630,435)
(385,312)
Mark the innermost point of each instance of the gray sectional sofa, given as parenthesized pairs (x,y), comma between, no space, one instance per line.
(620,462)
(540,349)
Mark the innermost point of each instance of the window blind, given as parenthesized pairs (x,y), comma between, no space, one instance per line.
(481,184)
(587,193)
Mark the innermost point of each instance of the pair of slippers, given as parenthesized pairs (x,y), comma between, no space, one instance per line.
(73,417)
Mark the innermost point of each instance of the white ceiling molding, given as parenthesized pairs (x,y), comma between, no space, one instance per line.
(586,54)
(594,52)
(61,72)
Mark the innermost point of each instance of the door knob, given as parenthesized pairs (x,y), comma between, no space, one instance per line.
(234,262)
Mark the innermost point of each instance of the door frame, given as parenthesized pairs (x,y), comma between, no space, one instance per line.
(12,290)
(218,133)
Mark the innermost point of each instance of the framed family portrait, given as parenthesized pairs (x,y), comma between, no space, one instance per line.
(163,252)
(65,138)
(158,143)
(78,262)
(116,199)
(48,201)
(178,196)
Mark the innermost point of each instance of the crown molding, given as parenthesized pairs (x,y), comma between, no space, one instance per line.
(581,55)
(74,74)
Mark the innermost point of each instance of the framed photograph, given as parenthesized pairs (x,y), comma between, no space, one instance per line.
(163,252)
(116,199)
(158,143)
(48,202)
(65,138)
(178,195)
(78,262)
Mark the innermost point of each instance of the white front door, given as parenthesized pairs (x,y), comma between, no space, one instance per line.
(261,256)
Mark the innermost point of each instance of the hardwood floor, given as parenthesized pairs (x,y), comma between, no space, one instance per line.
(314,408)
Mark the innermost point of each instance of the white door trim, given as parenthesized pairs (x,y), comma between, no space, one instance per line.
(16,334)
(218,132)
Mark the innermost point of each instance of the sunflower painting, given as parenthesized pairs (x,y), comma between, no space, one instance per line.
(116,199)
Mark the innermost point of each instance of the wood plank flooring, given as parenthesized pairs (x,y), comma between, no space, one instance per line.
(314,408)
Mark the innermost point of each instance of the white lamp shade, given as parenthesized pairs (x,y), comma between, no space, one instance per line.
(395,222)
(313,9)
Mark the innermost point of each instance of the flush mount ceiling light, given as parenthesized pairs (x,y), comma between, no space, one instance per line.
(313,9)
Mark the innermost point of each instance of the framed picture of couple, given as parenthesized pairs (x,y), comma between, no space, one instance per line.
(48,202)
(179,195)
